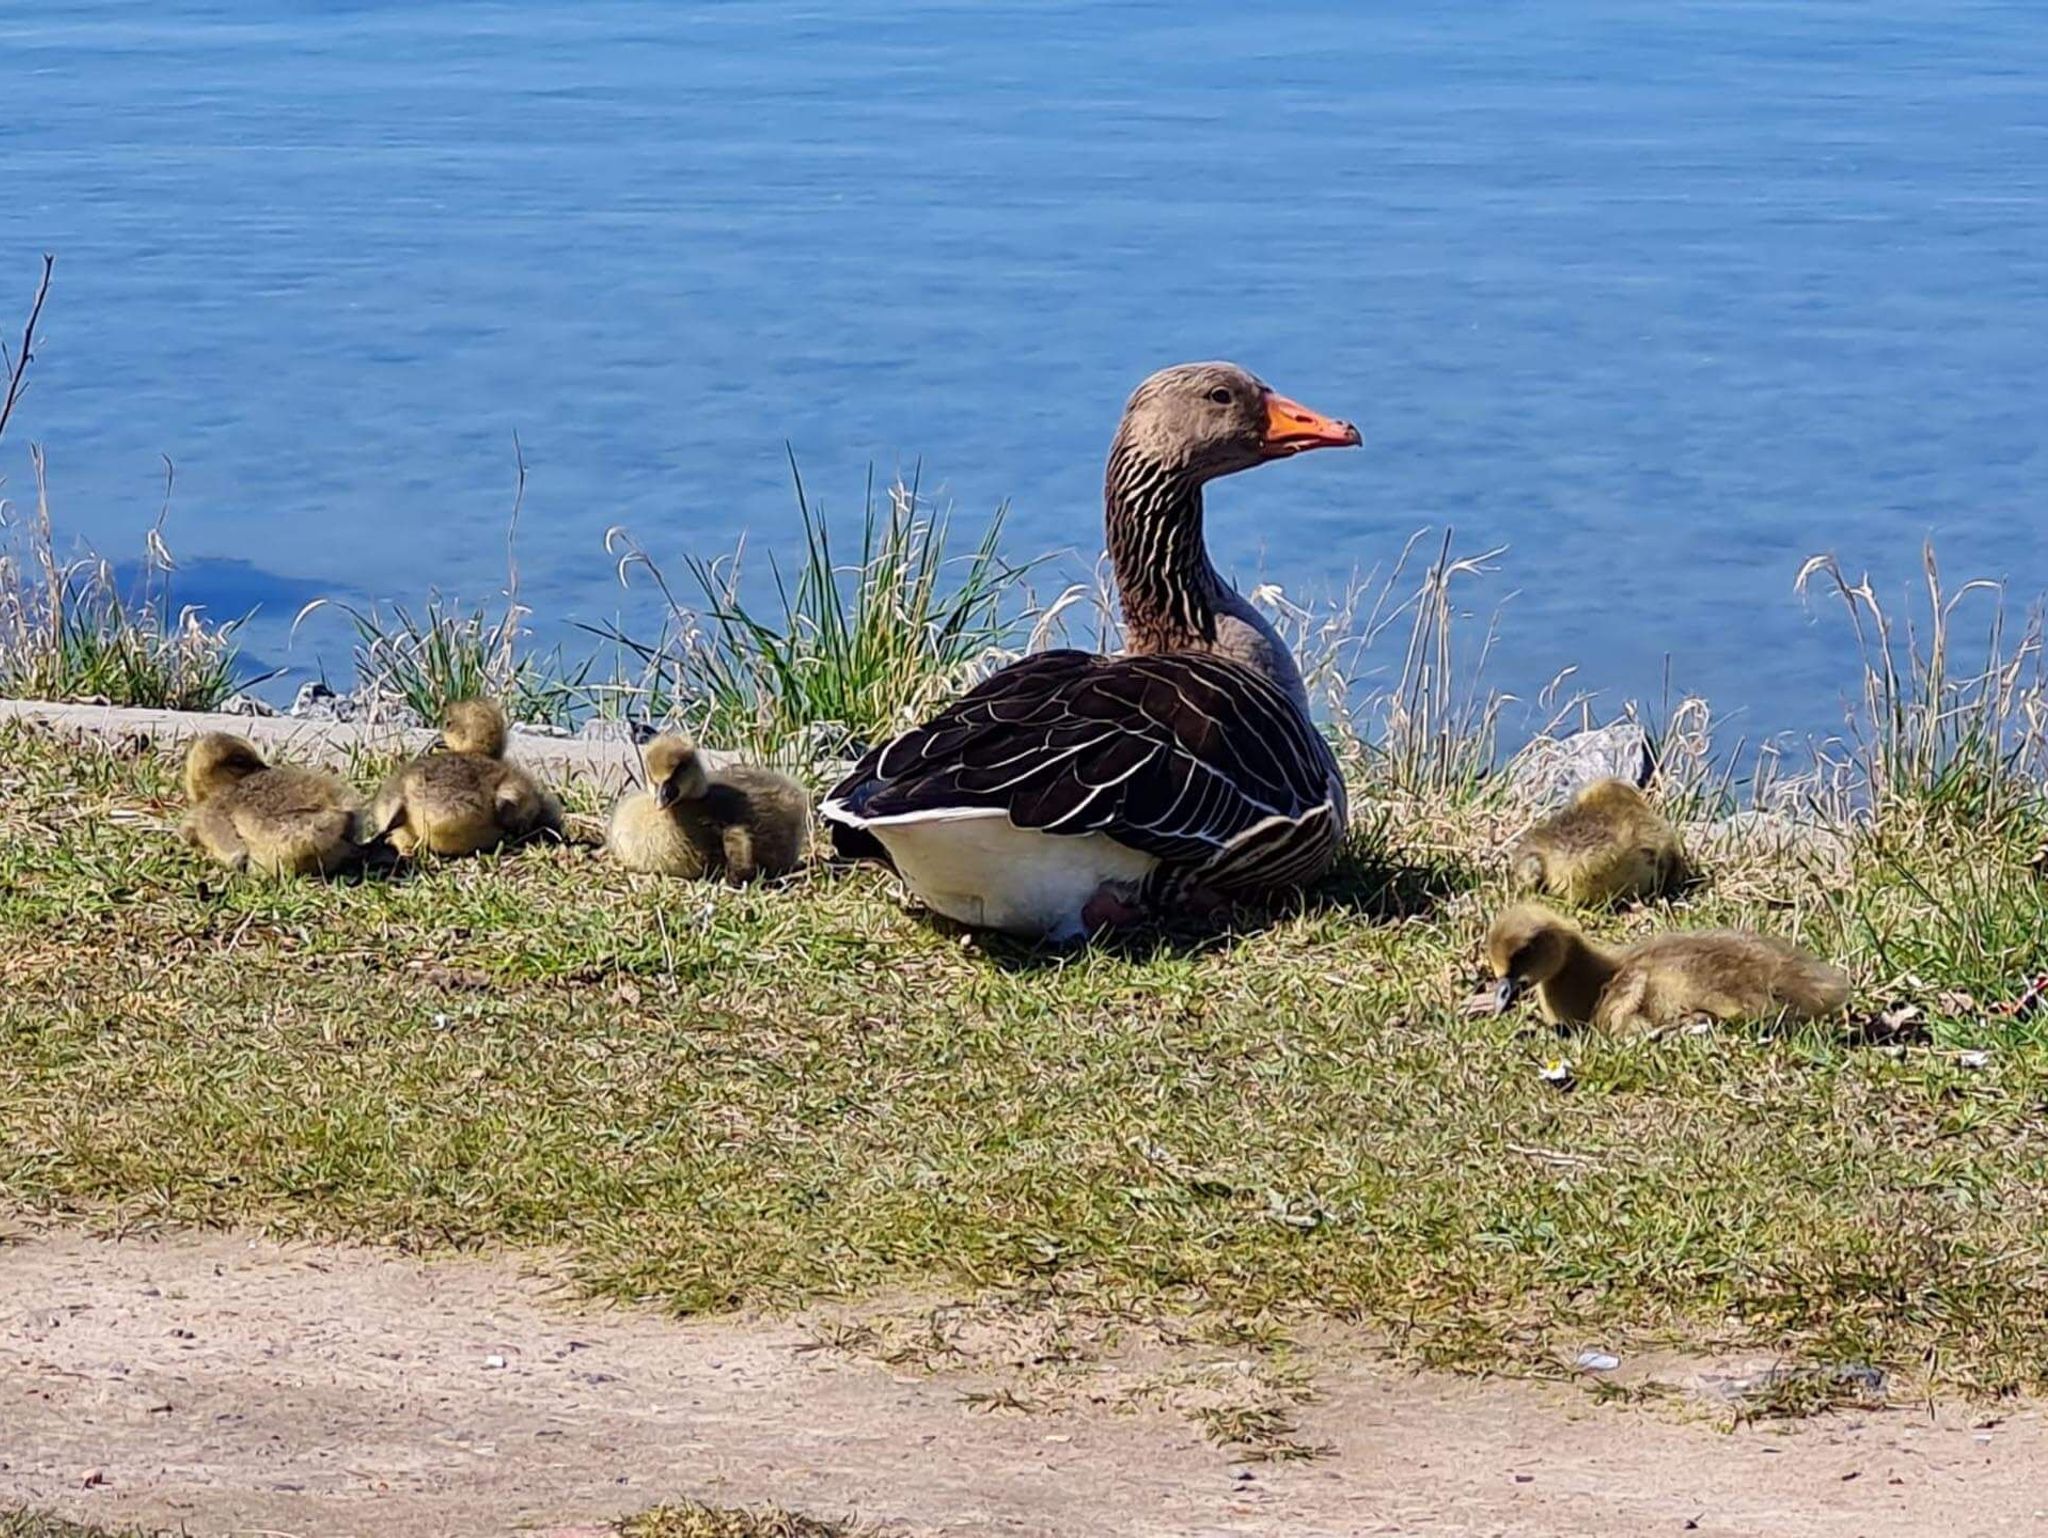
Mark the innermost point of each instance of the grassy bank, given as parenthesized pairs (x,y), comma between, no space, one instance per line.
(709,1098)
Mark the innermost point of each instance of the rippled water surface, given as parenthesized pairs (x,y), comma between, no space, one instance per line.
(1663,298)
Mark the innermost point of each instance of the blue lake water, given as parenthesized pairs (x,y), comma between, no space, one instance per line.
(1664,298)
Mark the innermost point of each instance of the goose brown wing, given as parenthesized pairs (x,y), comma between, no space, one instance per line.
(1180,756)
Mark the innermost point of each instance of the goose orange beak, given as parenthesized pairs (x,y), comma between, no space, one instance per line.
(1291,428)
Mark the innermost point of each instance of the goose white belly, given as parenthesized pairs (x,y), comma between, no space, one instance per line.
(979,868)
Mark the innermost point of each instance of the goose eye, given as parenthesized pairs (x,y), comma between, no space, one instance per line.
(1220,396)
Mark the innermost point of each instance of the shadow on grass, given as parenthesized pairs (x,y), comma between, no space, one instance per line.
(1383,884)
(1370,883)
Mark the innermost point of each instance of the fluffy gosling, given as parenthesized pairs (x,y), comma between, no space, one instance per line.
(461,796)
(1609,844)
(279,821)
(1724,974)
(740,822)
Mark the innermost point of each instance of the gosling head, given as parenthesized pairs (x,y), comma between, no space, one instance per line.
(1211,419)
(474,726)
(216,761)
(674,771)
(1527,946)
(1611,796)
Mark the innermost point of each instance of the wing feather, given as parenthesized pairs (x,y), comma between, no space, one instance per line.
(1195,759)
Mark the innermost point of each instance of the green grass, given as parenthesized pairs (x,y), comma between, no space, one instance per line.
(429,658)
(848,652)
(708,1098)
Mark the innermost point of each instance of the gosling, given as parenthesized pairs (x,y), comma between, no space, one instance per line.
(1723,974)
(278,821)
(1608,845)
(461,796)
(740,822)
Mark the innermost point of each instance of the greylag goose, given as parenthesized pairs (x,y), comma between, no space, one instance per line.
(1724,974)
(738,822)
(274,819)
(1070,791)
(461,796)
(1607,845)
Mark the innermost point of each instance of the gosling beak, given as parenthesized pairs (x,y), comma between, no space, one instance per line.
(438,745)
(664,794)
(1291,428)
(1506,993)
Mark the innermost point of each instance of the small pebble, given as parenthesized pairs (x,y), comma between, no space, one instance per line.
(494,1360)
(1974,1060)
(1596,1361)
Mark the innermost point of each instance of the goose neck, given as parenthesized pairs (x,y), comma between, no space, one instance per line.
(1157,549)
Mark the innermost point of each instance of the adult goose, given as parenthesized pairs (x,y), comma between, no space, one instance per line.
(1071,791)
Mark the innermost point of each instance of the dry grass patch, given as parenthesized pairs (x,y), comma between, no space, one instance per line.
(30,1524)
(693,1521)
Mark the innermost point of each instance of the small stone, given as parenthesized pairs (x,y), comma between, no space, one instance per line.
(494,1361)
(1781,833)
(1550,769)
(92,1479)
(1596,1361)
(1974,1060)
(604,729)
(316,702)
(245,705)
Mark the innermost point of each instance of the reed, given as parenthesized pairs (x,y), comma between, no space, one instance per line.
(426,659)
(844,652)
(1946,716)
(68,632)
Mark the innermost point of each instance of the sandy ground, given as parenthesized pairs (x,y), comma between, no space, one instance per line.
(236,1386)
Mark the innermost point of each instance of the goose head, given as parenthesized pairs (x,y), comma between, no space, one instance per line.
(217,760)
(474,726)
(674,771)
(1202,420)
(1528,946)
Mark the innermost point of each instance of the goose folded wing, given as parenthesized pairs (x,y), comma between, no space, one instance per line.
(1176,756)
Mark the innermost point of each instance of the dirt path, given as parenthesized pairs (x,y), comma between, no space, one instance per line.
(233,1386)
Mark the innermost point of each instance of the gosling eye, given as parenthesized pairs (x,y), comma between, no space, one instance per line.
(1220,395)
